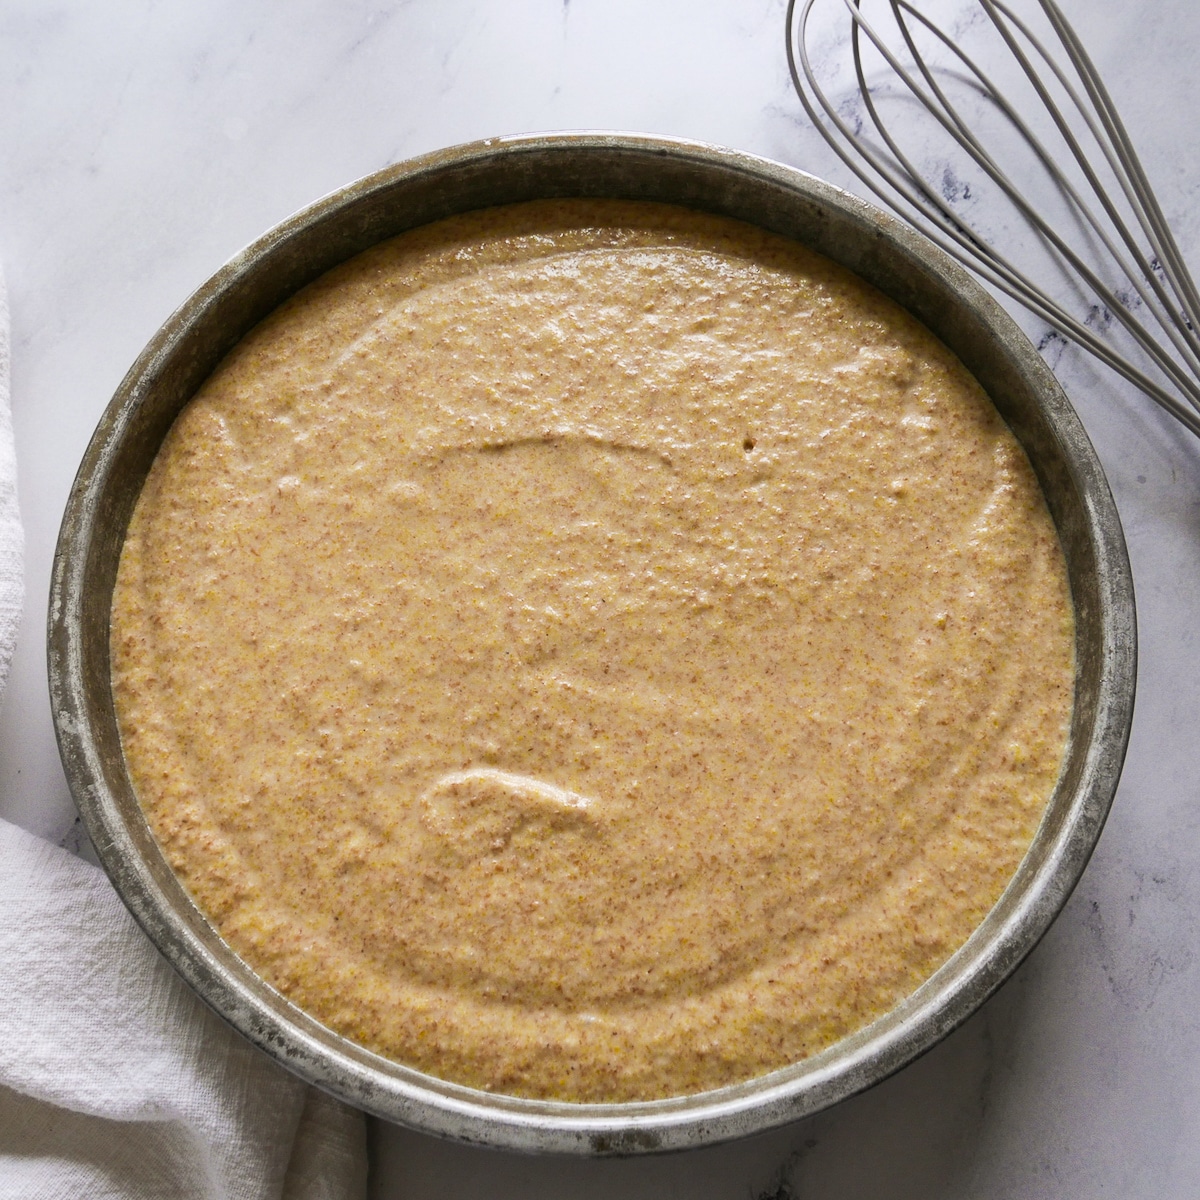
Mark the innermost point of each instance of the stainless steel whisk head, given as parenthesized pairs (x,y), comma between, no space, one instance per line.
(1109,240)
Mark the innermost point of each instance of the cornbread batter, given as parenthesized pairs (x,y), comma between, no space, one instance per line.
(592,650)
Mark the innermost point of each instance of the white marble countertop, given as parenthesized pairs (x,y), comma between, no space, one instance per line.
(143,142)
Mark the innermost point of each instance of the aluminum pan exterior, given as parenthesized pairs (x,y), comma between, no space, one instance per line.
(884,251)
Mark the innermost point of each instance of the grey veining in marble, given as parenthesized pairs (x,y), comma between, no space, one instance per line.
(142,143)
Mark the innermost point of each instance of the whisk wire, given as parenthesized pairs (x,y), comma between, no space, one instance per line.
(1180,333)
(983,257)
(1172,329)
(1166,248)
(1159,280)
(1122,161)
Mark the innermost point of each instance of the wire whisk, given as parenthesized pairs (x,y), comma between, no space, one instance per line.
(1108,241)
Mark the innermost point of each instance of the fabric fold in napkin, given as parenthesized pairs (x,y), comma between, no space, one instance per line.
(12,536)
(115,1080)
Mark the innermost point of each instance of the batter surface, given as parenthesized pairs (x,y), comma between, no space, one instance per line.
(592,650)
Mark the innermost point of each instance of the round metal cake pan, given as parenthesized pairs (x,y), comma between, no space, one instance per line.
(879,248)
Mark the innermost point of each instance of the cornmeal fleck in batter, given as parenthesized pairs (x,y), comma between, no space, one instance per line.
(592,650)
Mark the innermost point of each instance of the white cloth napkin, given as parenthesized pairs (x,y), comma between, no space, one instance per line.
(115,1081)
